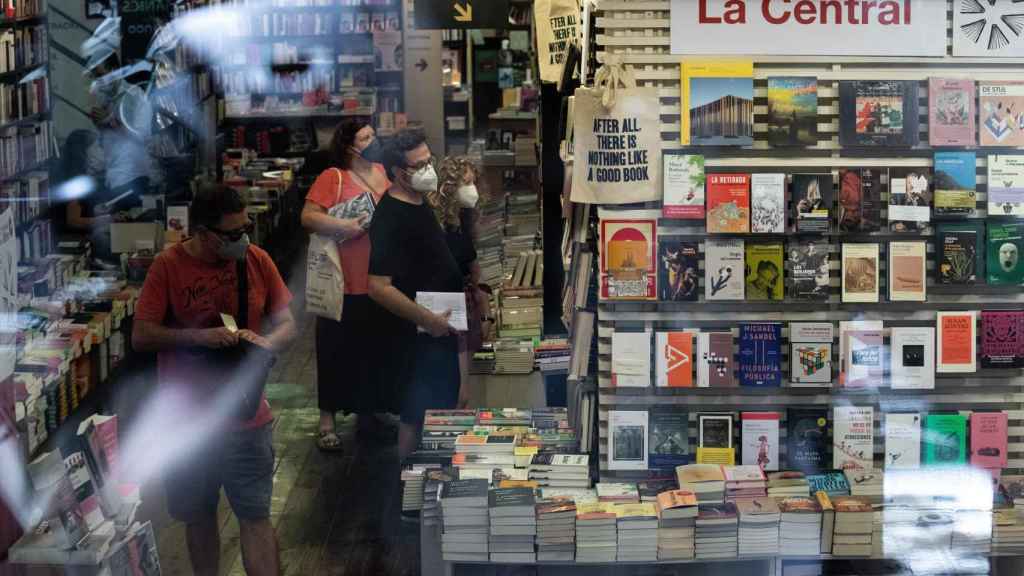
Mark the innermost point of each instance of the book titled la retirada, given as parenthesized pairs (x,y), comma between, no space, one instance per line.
(760,354)
(853,438)
(683,181)
(1002,339)
(956,342)
(728,203)
(989,432)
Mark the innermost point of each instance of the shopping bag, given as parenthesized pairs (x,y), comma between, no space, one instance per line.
(325,280)
(557,23)
(617,144)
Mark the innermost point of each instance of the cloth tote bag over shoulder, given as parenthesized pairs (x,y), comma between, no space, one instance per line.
(325,281)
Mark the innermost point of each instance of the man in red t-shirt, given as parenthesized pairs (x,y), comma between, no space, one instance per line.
(179,314)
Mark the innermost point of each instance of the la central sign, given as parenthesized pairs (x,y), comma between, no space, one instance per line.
(809,27)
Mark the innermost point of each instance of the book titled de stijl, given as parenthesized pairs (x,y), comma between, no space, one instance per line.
(878,113)
(628,256)
(956,332)
(728,203)
(760,354)
(989,431)
(1002,339)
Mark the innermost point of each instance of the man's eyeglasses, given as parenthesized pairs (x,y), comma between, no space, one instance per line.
(432,161)
(233,235)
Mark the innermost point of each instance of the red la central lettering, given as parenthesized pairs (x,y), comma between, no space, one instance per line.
(735,13)
(855,12)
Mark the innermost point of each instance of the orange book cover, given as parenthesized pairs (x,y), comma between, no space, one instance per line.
(674,359)
(728,203)
(956,342)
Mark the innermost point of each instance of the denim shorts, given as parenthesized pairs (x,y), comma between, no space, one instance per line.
(240,461)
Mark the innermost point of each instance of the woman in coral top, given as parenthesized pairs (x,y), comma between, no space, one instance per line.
(344,350)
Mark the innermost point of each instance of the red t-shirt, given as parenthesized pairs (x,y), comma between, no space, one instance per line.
(182,291)
(354,252)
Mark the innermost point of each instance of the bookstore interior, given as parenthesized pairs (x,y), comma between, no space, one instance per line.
(766,269)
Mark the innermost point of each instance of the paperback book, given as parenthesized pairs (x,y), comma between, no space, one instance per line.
(878,113)
(760,354)
(989,431)
(913,358)
(712,91)
(764,280)
(853,438)
(715,367)
(956,342)
(849,326)
(902,440)
(910,200)
(723,269)
(628,259)
(945,439)
(678,269)
(810,357)
(860,272)
(951,112)
(669,441)
(812,203)
(631,359)
(673,359)
(714,430)
(907,276)
(1002,339)
(860,200)
(792,111)
(960,246)
(728,203)
(809,270)
(864,358)
(956,184)
(683,181)
(627,440)
(768,203)
(760,436)
(807,439)
(999,108)
(1006,185)
(1003,263)
(831,482)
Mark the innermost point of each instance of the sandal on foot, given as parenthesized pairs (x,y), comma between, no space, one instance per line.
(328,441)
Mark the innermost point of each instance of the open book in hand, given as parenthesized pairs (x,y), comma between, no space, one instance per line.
(441,302)
(358,206)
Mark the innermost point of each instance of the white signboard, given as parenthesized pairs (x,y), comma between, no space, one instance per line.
(809,27)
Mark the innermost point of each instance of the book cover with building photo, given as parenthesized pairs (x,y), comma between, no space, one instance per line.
(910,200)
(878,113)
(860,200)
(809,270)
(860,272)
(792,111)
(812,202)
(678,269)
(628,259)
(956,184)
(764,271)
(718,103)
(1006,185)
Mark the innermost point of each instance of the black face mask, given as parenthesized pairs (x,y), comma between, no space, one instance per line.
(372,152)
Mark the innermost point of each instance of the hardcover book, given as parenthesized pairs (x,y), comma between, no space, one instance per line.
(809,270)
(717,103)
(999,107)
(723,269)
(810,357)
(669,441)
(960,248)
(627,440)
(864,358)
(760,354)
(678,269)
(913,358)
(683,181)
(628,259)
(716,365)
(1006,185)
(1003,263)
(903,440)
(860,272)
(764,271)
(807,439)
(792,111)
(1002,339)
(812,202)
(714,430)
(910,200)
(853,438)
(673,359)
(728,203)
(760,435)
(878,113)
(945,439)
(956,184)
(907,276)
(951,112)
(989,431)
(860,200)
(956,342)
(768,203)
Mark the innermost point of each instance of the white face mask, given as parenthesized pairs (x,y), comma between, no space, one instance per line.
(424,180)
(468,195)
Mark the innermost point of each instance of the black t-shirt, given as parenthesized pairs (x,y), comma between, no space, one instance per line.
(460,243)
(408,245)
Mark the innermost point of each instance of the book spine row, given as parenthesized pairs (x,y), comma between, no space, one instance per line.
(28,197)
(26,9)
(22,48)
(18,101)
(23,147)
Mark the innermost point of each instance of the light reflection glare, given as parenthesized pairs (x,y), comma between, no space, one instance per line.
(74,189)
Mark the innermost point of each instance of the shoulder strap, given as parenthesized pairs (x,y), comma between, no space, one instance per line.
(242,271)
(341,184)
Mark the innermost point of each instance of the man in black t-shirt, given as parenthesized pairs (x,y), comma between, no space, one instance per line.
(409,254)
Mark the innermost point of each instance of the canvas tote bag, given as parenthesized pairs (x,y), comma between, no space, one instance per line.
(558,25)
(325,281)
(617,129)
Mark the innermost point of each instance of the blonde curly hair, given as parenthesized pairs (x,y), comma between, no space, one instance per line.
(445,201)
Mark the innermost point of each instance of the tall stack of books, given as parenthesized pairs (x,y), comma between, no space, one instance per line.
(677,520)
(637,526)
(465,520)
(513,520)
(853,526)
(1007,531)
(617,492)
(704,480)
(553,355)
(560,470)
(556,530)
(744,482)
(596,534)
(799,527)
(866,483)
(513,356)
(717,531)
(759,526)
(787,483)
(433,484)
(412,486)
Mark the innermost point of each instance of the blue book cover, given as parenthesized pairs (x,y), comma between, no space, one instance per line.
(761,354)
(833,482)
(955,183)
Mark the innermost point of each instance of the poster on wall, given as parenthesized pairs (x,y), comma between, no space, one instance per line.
(784,28)
(988,28)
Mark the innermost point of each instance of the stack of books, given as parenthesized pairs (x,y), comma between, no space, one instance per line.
(866,483)
(504,417)
(486,466)
(433,484)
(637,526)
(513,356)
(412,486)
(677,519)
(788,483)
(759,526)
(832,482)
(617,492)
(551,418)
(705,480)
(465,520)
(513,529)
(525,150)
(482,361)
(1007,531)
(442,427)
(556,530)
(972,532)
(854,525)
(717,531)
(744,482)
(552,355)
(560,470)
(799,527)
(596,535)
